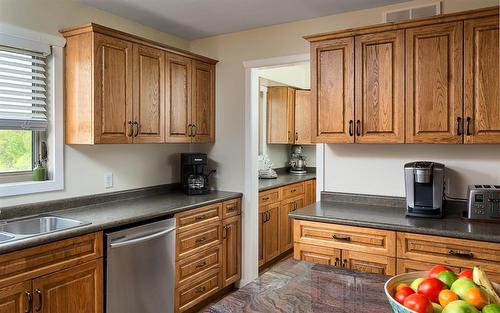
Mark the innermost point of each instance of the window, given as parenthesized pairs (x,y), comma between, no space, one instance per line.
(31,101)
(23,118)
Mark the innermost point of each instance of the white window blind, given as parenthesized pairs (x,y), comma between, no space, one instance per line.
(23,103)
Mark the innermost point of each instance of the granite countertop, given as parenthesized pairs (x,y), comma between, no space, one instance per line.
(111,214)
(393,218)
(298,286)
(283,180)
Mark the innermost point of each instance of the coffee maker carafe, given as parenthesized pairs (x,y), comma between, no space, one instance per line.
(193,173)
(424,182)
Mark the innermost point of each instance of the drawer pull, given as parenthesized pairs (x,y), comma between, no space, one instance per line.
(468,255)
(200,217)
(265,198)
(341,238)
(200,240)
(337,261)
(293,190)
(201,289)
(231,209)
(344,263)
(201,264)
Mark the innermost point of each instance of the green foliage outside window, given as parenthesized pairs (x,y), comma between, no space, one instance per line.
(16,150)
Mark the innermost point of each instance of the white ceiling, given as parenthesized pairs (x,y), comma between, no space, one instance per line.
(193,19)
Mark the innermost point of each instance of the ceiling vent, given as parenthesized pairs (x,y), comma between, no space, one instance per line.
(410,13)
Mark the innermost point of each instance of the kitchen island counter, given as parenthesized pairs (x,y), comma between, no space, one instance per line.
(298,286)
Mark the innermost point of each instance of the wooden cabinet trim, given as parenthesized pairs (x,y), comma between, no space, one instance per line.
(32,262)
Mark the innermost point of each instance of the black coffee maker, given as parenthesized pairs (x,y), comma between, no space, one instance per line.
(193,173)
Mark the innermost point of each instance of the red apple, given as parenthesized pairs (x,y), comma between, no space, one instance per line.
(435,270)
(466,273)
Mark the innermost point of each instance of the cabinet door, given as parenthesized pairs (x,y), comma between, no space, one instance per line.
(149,95)
(231,250)
(316,254)
(434,84)
(203,102)
(262,237)
(309,192)
(16,298)
(302,117)
(332,87)
(112,90)
(77,290)
(481,95)
(372,263)
(379,90)
(271,232)
(280,115)
(286,223)
(178,98)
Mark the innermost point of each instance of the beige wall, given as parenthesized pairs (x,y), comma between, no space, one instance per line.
(133,166)
(286,39)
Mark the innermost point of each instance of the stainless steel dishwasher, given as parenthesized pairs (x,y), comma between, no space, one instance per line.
(140,271)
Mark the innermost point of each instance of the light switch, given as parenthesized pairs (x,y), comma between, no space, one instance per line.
(108,180)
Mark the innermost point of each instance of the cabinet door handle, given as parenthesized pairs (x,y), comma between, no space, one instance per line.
(296,136)
(190,130)
(200,240)
(337,261)
(358,128)
(224,232)
(195,128)
(347,238)
(344,263)
(468,126)
(351,133)
(130,129)
(459,122)
(30,301)
(136,129)
(268,216)
(467,255)
(40,303)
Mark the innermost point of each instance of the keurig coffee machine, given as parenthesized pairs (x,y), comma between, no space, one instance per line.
(424,189)
(193,173)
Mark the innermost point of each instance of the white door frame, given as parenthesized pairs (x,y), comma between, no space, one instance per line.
(250,222)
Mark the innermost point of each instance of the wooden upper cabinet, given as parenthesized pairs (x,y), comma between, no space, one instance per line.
(120,88)
(280,111)
(332,87)
(302,117)
(379,90)
(78,290)
(481,94)
(149,95)
(203,102)
(112,90)
(434,83)
(14,298)
(178,108)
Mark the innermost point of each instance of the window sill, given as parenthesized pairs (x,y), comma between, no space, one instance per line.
(28,187)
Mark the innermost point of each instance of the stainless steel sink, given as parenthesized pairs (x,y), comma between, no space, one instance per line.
(35,225)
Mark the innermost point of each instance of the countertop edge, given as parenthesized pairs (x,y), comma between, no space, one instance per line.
(278,185)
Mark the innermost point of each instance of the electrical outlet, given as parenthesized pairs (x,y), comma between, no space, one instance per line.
(108,180)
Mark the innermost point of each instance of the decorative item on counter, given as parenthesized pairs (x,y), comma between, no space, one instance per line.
(298,161)
(266,167)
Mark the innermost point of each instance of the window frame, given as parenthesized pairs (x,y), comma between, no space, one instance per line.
(26,39)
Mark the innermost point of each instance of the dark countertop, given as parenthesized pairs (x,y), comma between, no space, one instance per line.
(298,286)
(119,213)
(393,218)
(283,180)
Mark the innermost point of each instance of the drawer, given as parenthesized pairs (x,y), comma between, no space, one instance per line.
(371,263)
(190,295)
(231,208)
(196,240)
(368,240)
(449,251)
(269,196)
(48,258)
(291,191)
(197,265)
(198,217)
(407,266)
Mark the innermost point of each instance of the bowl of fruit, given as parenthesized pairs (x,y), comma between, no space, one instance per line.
(440,290)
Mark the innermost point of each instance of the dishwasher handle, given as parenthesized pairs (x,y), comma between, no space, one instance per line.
(141,239)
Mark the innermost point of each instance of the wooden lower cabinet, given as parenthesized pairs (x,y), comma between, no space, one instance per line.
(14,298)
(77,290)
(316,254)
(286,223)
(359,261)
(310,192)
(270,232)
(208,257)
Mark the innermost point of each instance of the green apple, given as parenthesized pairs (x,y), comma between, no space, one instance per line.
(491,308)
(461,285)
(459,306)
(447,277)
(415,283)
(437,308)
